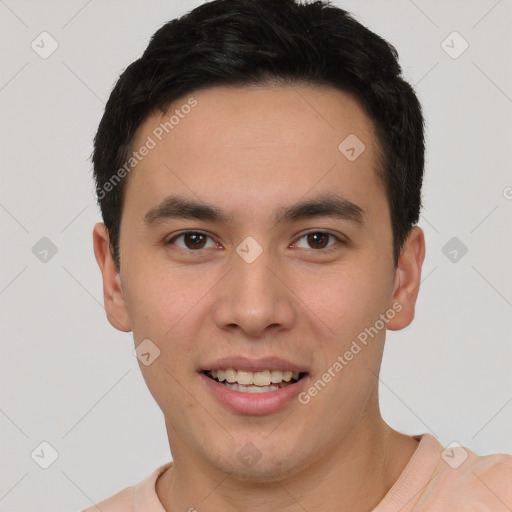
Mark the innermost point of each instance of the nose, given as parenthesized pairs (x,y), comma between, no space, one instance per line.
(254,298)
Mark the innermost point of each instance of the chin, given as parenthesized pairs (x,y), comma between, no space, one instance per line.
(250,464)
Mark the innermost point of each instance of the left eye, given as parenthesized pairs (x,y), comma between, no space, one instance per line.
(193,240)
(317,240)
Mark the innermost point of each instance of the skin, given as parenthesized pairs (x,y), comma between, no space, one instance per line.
(252,151)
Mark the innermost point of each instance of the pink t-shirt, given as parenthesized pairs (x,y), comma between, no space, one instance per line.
(434,480)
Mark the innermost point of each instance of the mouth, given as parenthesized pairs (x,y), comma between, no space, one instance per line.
(248,386)
(265,381)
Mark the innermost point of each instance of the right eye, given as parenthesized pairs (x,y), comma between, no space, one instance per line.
(193,241)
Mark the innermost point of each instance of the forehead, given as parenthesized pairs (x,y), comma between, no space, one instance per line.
(251,116)
(255,143)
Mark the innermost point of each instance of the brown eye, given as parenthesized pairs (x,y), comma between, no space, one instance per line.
(318,240)
(192,240)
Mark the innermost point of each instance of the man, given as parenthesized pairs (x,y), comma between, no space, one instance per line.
(259,173)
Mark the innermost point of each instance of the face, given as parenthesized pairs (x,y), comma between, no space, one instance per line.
(255,249)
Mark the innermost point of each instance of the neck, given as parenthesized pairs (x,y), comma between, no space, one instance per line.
(353,475)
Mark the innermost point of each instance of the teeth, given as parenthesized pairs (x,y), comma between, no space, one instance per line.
(261,379)
(276,376)
(230,375)
(244,377)
(251,389)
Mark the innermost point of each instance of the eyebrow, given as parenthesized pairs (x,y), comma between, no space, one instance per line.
(323,206)
(174,207)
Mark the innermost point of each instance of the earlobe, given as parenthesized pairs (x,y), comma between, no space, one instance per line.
(115,306)
(408,279)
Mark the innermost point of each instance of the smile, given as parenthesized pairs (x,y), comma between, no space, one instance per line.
(254,382)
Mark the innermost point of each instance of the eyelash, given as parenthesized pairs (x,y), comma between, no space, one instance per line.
(325,250)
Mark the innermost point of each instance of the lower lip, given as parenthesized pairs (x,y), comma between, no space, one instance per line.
(254,403)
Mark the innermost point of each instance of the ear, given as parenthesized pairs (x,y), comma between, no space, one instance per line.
(115,306)
(408,279)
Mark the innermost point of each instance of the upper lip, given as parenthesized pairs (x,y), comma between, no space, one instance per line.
(253,365)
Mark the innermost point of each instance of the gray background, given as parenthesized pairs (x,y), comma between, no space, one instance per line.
(69,378)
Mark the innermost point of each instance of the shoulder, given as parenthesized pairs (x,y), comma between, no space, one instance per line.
(474,480)
(143,495)
(120,502)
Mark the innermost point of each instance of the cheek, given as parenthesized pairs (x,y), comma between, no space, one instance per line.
(164,309)
(348,297)
(160,298)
